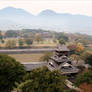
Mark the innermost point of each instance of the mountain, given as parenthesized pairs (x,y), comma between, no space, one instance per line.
(15,15)
(47,13)
(66,22)
(16,18)
(14,11)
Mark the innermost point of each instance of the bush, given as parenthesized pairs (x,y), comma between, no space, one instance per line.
(85,77)
(43,80)
(89,60)
(11,72)
(46,56)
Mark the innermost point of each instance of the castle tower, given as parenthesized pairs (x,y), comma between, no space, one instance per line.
(62,51)
(61,61)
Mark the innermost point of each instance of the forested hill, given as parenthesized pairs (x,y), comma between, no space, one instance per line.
(30,33)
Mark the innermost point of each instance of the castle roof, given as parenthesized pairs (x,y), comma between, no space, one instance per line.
(62,48)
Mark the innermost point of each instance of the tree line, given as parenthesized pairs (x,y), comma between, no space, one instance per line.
(13,76)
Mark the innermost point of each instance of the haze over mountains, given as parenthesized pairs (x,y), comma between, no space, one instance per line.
(12,18)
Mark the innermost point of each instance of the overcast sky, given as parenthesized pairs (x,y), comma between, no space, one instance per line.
(83,7)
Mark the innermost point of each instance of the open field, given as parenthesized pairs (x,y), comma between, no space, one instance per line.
(89,49)
(44,43)
(27,57)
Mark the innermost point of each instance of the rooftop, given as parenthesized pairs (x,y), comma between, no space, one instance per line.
(32,65)
(62,48)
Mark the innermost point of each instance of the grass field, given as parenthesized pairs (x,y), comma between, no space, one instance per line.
(33,57)
(45,43)
(89,49)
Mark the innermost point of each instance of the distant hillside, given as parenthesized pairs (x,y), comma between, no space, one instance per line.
(12,18)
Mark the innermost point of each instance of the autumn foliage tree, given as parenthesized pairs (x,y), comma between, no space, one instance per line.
(85,55)
(11,44)
(85,87)
(72,48)
(38,37)
(2,35)
(84,81)
(79,47)
(75,57)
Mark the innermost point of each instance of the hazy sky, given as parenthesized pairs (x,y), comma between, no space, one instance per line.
(62,6)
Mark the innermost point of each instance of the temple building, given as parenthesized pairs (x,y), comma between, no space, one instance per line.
(61,61)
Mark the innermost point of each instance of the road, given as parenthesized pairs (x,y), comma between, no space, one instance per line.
(18,51)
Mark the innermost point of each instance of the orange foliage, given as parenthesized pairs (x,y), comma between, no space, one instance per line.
(38,37)
(79,47)
(86,87)
(3,34)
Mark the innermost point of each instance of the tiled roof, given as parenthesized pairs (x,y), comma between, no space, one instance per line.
(33,65)
(62,48)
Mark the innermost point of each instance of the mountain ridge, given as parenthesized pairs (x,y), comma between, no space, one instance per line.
(46,10)
(46,19)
